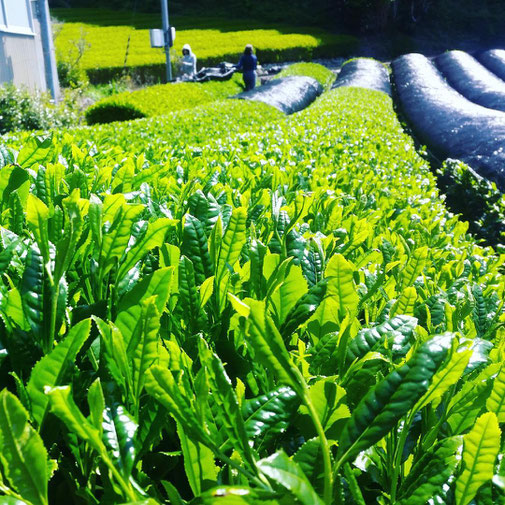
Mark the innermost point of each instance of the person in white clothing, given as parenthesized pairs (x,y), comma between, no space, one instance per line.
(188,62)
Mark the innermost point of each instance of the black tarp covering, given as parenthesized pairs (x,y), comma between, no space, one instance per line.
(474,81)
(448,123)
(364,73)
(288,94)
(494,59)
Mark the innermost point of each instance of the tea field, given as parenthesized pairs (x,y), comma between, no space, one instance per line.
(165,98)
(118,41)
(225,305)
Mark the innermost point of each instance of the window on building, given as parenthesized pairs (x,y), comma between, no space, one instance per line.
(15,15)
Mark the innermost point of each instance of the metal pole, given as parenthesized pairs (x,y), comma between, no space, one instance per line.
(166,32)
(48,49)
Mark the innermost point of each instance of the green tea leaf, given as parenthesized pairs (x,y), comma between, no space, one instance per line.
(159,284)
(226,399)
(23,455)
(397,331)
(194,247)
(257,280)
(64,407)
(154,237)
(66,245)
(288,474)
(189,298)
(327,398)
(496,400)
(481,447)
(445,378)
(414,267)
(292,288)
(96,403)
(37,215)
(52,368)
(36,150)
(119,429)
(268,345)
(201,469)
(386,403)
(162,386)
(233,241)
(116,358)
(339,273)
(304,308)
(115,241)
(467,403)
(269,414)
(309,457)
(428,476)
(32,291)
(405,303)
(143,345)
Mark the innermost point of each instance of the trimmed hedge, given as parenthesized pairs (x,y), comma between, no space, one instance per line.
(159,100)
(116,38)
(320,73)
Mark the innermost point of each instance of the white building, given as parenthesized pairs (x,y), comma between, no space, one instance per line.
(26,48)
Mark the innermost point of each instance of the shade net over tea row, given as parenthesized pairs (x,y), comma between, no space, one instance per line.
(288,94)
(448,123)
(494,60)
(474,81)
(364,73)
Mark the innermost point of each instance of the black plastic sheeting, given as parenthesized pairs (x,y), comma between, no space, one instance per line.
(450,125)
(474,81)
(222,72)
(364,73)
(494,59)
(288,94)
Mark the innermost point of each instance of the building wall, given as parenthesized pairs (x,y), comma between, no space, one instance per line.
(21,56)
(21,61)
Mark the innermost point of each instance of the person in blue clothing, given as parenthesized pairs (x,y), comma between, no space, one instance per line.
(248,64)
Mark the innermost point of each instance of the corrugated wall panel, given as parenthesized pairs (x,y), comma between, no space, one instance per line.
(21,61)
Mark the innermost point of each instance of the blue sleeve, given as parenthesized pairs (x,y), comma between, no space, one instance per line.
(241,62)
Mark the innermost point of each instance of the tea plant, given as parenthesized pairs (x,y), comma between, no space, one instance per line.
(281,313)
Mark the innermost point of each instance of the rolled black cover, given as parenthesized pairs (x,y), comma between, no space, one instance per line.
(448,123)
(474,81)
(288,94)
(364,73)
(494,60)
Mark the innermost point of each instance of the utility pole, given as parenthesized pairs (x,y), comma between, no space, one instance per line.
(167,35)
(48,50)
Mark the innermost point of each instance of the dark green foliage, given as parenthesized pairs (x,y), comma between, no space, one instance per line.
(110,112)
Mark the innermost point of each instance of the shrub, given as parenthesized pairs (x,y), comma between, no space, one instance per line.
(21,109)
(478,200)
(69,58)
(108,111)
